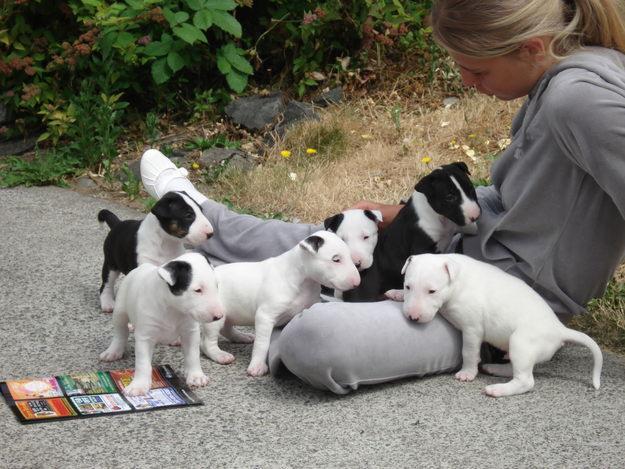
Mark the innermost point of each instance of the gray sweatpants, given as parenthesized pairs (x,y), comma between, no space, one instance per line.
(335,346)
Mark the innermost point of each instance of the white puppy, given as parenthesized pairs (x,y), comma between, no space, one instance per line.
(269,293)
(488,305)
(164,303)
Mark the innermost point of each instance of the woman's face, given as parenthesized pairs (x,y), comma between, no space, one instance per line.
(506,77)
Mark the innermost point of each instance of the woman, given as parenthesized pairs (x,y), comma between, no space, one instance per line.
(554,216)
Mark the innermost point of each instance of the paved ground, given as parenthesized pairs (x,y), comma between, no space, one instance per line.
(50,261)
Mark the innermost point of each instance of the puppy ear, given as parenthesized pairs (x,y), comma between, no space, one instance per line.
(166,275)
(332,223)
(374,215)
(452,268)
(462,166)
(161,208)
(312,244)
(403,269)
(177,275)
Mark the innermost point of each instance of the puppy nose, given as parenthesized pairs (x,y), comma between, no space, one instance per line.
(472,219)
(209,235)
(358,264)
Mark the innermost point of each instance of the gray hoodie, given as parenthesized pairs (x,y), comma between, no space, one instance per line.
(555,214)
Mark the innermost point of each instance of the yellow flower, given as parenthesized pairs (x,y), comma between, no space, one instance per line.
(426,159)
(194,165)
(472,135)
(311,151)
(285,154)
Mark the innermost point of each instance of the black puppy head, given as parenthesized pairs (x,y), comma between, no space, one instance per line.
(174,213)
(332,223)
(443,195)
(177,275)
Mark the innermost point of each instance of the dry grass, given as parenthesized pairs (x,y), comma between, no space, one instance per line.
(364,153)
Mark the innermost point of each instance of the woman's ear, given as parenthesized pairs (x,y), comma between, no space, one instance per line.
(534,49)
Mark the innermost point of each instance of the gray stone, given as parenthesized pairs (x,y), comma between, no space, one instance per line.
(234,157)
(17,147)
(5,115)
(256,112)
(450,101)
(294,112)
(85,182)
(333,96)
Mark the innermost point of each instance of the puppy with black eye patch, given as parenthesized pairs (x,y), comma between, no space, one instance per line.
(269,293)
(159,237)
(443,203)
(165,303)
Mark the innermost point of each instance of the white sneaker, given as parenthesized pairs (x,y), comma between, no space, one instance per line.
(157,171)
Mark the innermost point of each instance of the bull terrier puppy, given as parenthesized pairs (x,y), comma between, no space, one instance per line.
(158,238)
(488,305)
(269,293)
(165,303)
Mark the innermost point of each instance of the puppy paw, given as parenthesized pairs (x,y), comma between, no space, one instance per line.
(243,338)
(395,295)
(257,369)
(494,390)
(111,354)
(137,388)
(196,379)
(223,358)
(464,375)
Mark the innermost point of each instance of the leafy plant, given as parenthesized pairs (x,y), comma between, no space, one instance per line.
(130,184)
(44,169)
(219,141)
(151,127)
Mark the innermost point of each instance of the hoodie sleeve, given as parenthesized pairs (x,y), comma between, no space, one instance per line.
(587,118)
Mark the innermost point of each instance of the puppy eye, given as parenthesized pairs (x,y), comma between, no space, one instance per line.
(407,287)
(431,291)
(336,259)
(198,290)
(365,237)
(450,197)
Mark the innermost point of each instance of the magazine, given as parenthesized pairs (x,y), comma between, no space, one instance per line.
(91,394)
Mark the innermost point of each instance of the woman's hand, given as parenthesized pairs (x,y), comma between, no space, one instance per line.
(389,211)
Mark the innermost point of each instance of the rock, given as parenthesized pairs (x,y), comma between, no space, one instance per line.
(17,147)
(135,167)
(333,96)
(236,158)
(256,112)
(294,112)
(5,115)
(450,101)
(85,182)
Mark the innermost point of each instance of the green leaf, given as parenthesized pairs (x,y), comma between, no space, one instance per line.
(181,16)
(195,4)
(170,17)
(189,33)
(157,48)
(236,80)
(222,64)
(175,61)
(220,4)
(124,39)
(237,61)
(160,71)
(227,22)
(136,4)
(203,19)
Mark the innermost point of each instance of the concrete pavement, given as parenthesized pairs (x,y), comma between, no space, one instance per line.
(51,257)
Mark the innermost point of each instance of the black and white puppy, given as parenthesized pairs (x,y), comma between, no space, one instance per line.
(158,238)
(359,230)
(443,203)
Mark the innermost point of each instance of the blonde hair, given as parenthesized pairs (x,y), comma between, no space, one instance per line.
(492,28)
